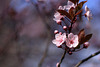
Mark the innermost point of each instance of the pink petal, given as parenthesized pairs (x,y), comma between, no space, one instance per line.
(70,36)
(86,8)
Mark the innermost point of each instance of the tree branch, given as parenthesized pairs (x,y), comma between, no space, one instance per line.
(63,56)
(43,17)
(84,60)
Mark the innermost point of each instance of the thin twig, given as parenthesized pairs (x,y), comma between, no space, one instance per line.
(63,56)
(70,27)
(72,24)
(84,60)
(78,49)
(45,52)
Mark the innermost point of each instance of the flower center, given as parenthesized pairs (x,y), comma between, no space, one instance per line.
(61,40)
(71,42)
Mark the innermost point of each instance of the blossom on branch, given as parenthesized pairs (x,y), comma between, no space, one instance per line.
(89,15)
(69,5)
(59,39)
(58,17)
(72,40)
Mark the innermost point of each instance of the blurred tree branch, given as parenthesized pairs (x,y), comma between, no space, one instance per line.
(62,58)
(45,20)
(84,60)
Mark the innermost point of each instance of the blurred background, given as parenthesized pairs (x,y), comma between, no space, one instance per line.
(26,34)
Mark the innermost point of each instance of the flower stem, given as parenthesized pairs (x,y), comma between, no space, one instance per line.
(79,49)
(70,27)
(63,56)
(82,61)
(72,24)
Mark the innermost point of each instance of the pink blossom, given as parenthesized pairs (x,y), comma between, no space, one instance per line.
(59,39)
(72,40)
(86,8)
(57,17)
(61,8)
(69,5)
(88,13)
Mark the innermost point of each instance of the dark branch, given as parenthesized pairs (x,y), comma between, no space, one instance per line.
(84,60)
(63,56)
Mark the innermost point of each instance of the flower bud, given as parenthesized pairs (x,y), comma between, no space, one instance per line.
(70,53)
(59,46)
(57,65)
(60,33)
(85,45)
(59,22)
(85,15)
(73,49)
(56,31)
(65,28)
(62,19)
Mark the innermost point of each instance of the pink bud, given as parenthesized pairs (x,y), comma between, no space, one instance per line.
(59,22)
(60,33)
(56,31)
(86,44)
(62,19)
(57,65)
(85,15)
(59,46)
(65,27)
(70,53)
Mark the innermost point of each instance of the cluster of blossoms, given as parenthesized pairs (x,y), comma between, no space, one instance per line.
(71,41)
(71,6)
(67,40)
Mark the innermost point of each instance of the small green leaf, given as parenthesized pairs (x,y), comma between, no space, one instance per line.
(87,37)
(80,5)
(63,12)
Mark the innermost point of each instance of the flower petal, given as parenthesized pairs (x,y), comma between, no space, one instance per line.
(86,8)
(72,40)
(70,36)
